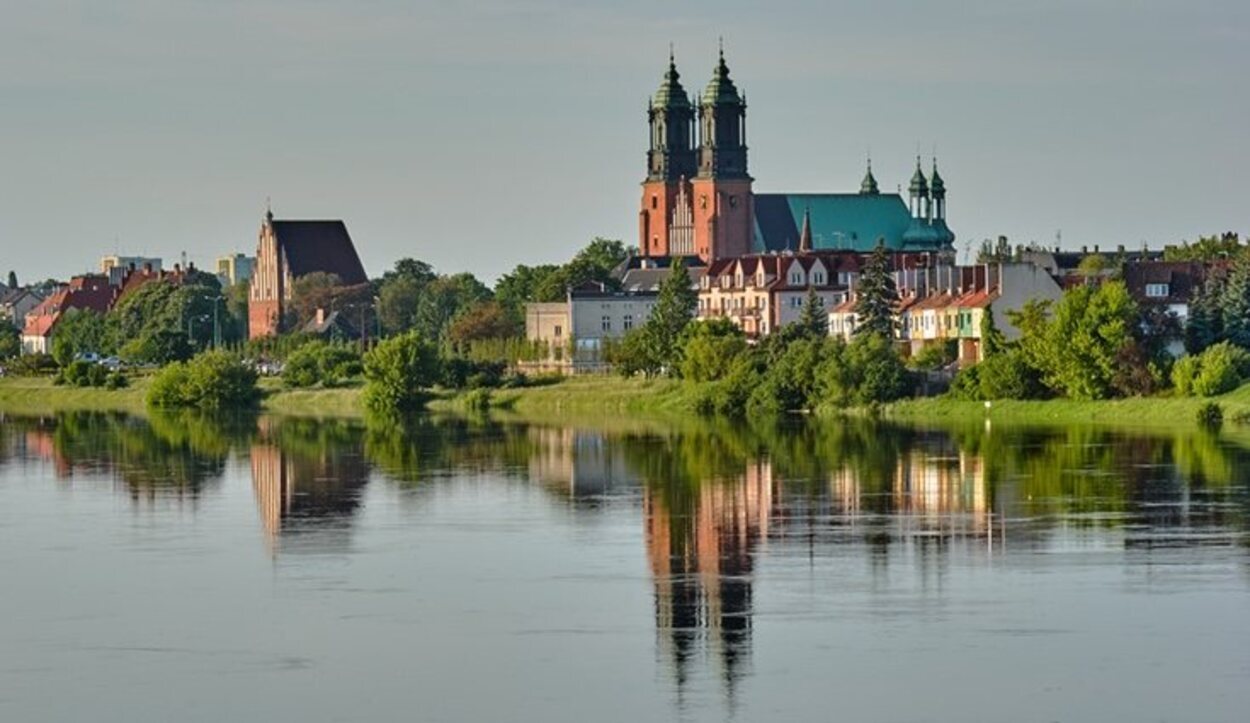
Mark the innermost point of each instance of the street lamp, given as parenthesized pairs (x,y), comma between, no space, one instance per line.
(190,337)
(216,324)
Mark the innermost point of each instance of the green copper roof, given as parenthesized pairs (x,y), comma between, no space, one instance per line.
(919,186)
(720,89)
(869,184)
(671,94)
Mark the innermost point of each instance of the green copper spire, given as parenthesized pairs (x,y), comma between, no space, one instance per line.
(919,186)
(720,89)
(671,94)
(869,185)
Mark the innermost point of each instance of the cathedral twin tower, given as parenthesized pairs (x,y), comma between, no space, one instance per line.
(696,200)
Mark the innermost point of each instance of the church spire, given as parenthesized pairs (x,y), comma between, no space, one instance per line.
(671,117)
(805,236)
(868,186)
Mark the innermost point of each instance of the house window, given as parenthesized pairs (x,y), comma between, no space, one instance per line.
(559,331)
(795,302)
(629,322)
(796,278)
(606,323)
(818,278)
(1157,291)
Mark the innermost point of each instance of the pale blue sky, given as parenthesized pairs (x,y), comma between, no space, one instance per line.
(481,135)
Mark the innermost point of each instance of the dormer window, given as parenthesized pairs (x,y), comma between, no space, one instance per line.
(796,278)
(1157,291)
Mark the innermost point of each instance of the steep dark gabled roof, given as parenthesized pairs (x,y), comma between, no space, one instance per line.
(311,246)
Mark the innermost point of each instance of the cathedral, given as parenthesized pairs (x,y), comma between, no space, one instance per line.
(697,199)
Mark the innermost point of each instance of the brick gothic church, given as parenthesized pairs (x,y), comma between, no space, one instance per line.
(697,198)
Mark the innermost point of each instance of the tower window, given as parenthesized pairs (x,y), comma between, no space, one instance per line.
(655,202)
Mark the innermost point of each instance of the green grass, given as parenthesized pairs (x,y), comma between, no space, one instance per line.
(1137,411)
(38,395)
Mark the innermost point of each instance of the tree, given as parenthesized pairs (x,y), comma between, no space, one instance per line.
(675,307)
(992,339)
(443,299)
(79,331)
(483,320)
(1092,266)
(877,296)
(1206,249)
(1234,304)
(10,340)
(813,321)
(318,290)
(1205,325)
(1084,340)
(398,371)
(710,349)
(12,279)
(397,304)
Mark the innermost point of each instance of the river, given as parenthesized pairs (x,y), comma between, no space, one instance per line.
(189,569)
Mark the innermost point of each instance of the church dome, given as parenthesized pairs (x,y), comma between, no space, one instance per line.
(671,94)
(720,89)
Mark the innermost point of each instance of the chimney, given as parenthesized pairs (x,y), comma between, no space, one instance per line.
(1084,249)
(1095,248)
(321,315)
(1119,249)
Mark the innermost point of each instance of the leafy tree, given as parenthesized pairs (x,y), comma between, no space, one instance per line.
(483,320)
(675,306)
(877,296)
(443,299)
(10,340)
(710,349)
(879,369)
(1092,266)
(236,309)
(409,268)
(992,339)
(397,304)
(790,383)
(631,355)
(79,331)
(1206,249)
(318,290)
(1083,341)
(397,371)
(525,284)
(159,346)
(934,356)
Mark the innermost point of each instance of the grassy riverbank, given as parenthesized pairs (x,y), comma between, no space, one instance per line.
(608,397)
(1152,411)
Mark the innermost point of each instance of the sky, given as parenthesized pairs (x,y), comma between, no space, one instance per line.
(480,135)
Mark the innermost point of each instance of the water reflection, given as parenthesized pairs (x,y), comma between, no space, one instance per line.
(712,501)
(308,478)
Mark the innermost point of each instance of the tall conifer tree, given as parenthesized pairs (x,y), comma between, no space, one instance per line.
(877,296)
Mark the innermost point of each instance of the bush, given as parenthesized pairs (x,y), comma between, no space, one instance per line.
(212,380)
(1210,415)
(1008,375)
(458,372)
(116,380)
(29,365)
(1219,369)
(477,400)
(398,371)
(303,367)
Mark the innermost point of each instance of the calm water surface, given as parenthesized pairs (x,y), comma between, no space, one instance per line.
(180,569)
